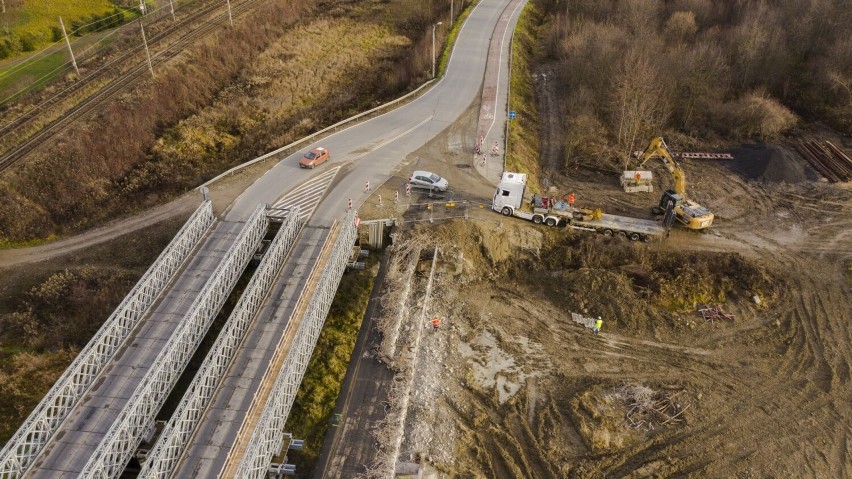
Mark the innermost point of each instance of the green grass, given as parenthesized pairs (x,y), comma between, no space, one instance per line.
(39,72)
(35,18)
(522,151)
(315,401)
(5,244)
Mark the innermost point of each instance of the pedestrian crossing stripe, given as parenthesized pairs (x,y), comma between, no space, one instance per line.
(308,194)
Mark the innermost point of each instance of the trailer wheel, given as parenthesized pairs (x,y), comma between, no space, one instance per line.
(646,239)
(621,235)
(551,222)
(634,236)
(606,232)
(537,219)
(507,211)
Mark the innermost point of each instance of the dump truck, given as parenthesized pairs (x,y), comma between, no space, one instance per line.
(509,201)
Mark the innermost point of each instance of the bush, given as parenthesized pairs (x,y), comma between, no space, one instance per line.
(756,115)
(66,309)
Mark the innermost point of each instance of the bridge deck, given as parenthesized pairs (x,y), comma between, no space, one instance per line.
(211,444)
(67,454)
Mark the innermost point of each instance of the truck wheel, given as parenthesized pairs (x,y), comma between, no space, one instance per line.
(507,211)
(537,219)
(606,232)
(634,236)
(551,222)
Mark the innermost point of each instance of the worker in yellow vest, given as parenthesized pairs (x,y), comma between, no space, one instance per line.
(598,325)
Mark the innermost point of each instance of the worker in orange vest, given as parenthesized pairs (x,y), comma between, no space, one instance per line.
(436,323)
(571,198)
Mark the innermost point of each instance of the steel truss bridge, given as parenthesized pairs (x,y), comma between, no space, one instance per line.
(230,421)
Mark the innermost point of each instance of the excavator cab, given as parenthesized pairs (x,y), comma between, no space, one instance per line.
(668,196)
(691,214)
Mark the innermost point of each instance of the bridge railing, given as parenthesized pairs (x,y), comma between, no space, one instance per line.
(28,442)
(268,435)
(116,448)
(165,455)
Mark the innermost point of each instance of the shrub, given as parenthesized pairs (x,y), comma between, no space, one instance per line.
(756,115)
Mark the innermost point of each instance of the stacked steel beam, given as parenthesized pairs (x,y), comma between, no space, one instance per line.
(831,162)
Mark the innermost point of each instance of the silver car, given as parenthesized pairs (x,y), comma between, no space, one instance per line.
(428,180)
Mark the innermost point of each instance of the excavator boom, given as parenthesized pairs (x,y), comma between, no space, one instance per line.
(691,214)
(659,148)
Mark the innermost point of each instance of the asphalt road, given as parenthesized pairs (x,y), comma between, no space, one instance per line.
(377,147)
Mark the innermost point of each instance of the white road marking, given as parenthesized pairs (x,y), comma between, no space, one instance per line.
(307,195)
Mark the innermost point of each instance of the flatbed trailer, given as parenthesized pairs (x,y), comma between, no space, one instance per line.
(509,198)
(634,229)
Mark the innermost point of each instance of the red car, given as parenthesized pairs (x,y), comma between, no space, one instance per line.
(315,157)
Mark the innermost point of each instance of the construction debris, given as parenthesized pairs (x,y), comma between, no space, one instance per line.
(829,160)
(648,409)
(712,313)
(587,322)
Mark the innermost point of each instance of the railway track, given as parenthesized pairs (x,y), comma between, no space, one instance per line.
(211,16)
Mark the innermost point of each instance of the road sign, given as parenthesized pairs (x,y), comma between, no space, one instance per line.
(512,115)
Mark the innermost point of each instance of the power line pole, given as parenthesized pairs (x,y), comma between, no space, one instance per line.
(172,6)
(3,2)
(147,53)
(451,13)
(68,42)
(230,17)
(142,7)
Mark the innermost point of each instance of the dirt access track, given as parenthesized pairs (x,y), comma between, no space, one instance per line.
(510,386)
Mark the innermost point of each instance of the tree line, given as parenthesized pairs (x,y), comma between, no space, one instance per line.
(699,70)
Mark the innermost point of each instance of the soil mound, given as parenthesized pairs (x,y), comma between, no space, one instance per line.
(771,163)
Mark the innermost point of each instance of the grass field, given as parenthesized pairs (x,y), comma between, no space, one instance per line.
(35,18)
(39,72)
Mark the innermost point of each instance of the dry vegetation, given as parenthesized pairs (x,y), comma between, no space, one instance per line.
(283,71)
(700,72)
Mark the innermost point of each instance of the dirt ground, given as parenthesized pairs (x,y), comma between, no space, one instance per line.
(510,386)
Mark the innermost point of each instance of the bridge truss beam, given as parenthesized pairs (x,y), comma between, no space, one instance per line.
(165,455)
(31,438)
(268,436)
(137,417)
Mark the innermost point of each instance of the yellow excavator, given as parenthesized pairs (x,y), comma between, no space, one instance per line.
(690,214)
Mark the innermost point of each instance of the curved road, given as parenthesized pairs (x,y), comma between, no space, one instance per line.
(377,147)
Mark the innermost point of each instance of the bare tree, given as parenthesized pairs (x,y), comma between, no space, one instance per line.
(681,26)
(638,105)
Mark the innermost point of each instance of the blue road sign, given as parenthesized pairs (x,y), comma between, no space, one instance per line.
(512,115)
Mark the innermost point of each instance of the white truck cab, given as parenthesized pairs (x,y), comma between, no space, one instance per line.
(510,193)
